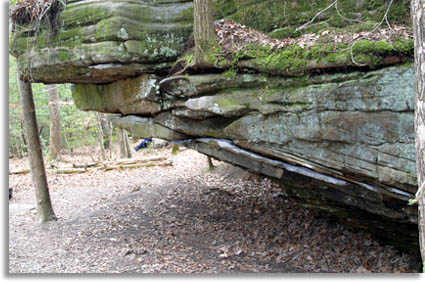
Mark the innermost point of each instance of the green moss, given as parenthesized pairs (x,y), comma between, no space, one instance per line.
(363,46)
(291,59)
(187,14)
(230,74)
(282,32)
(283,16)
(226,102)
(383,47)
(359,27)
(279,17)
(405,46)
(64,55)
(108,29)
(73,33)
(318,28)
(87,97)
(189,58)
(215,56)
(73,15)
(337,58)
(296,60)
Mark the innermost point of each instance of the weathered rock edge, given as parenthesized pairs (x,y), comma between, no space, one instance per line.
(104,41)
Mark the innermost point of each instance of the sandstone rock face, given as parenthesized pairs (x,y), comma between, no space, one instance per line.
(129,96)
(356,124)
(103,41)
(337,136)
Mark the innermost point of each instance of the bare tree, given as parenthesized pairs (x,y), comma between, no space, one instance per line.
(55,122)
(418,20)
(44,206)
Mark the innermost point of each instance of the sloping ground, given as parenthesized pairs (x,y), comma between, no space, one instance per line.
(183,219)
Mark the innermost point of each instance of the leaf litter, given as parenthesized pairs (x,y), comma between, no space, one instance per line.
(182,219)
(233,37)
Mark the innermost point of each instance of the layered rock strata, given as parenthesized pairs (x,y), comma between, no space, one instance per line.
(336,135)
(103,41)
(341,142)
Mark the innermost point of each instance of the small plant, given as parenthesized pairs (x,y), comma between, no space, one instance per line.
(175,150)
(230,74)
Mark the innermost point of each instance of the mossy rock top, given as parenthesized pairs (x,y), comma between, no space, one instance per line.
(104,41)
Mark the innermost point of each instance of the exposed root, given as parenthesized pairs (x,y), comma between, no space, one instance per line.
(27,12)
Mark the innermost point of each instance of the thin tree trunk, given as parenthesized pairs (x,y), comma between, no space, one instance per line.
(107,131)
(210,163)
(55,122)
(100,136)
(125,149)
(107,135)
(65,140)
(204,29)
(20,148)
(418,20)
(120,133)
(43,203)
(129,149)
(24,138)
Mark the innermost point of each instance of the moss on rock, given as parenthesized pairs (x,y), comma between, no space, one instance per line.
(294,60)
(150,32)
(285,16)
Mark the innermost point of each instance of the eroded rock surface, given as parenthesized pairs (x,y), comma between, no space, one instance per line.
(336,135)
(103,41)
(341,142)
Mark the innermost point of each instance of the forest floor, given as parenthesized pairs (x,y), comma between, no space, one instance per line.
(181,219)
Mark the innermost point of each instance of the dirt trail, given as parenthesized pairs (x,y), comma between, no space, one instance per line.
(183,219)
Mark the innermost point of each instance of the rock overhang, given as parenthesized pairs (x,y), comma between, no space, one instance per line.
(344,131)
(103,41)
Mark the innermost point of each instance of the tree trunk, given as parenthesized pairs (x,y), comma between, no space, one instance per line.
(100,136)
(130,150)
(55,122)
(418,20)
(210,163)
(21,123)
(204,30)
(125,149)
(44,205)
(107,131)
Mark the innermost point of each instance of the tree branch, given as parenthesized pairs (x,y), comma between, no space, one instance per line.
(318,14)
